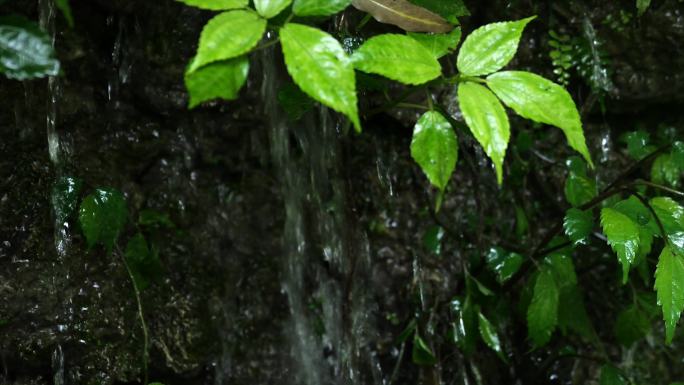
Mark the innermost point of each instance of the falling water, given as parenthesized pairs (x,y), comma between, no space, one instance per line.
(326,265)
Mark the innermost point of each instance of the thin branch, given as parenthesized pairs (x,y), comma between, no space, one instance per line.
(660,187)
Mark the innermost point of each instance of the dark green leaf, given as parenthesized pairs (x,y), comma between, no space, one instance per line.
(578,225)
(632,325)
(623,237)
(639,213)
(579,189)
(665,171)
(504,264)
(451,10)
(490,47)
(432,239)
(222,79)
(422,354)
(638,144)
(141,261)
(397,57)
(410,328)
(642,6)
(490,336)
(216,5)
(65,8)
(572,314)
(321,68)
(435,148)
(563,270)
(25,51)
(439,44)
(542,314)
(669,285)
(611,376)
(154,218)
(294,101)
(102,216)
(466,324)
(65,197)
(404,15)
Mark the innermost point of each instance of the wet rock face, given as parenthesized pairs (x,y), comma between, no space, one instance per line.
(220,314)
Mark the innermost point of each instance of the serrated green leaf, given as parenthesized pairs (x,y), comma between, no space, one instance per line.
(421,353)
(65,8)
(404,15)
(671,216)
(487,120)
(572,314)
(631,325)
(216,5)
(294,101)
(623,237)
(321,68)
(611,376)
(143,263)
(397,57)
(490,336)
(222,79)
(439,44)
(435,148)
(64,197)
(542,313)
(578,225)
(579,189)
(25,51)
(490,47)
(228,35)
(533,97)
(102,216)
(639,213)
(319,7)
(665,171)
(503,263)
(451,10)
(669,286)
(642,6)
(270,8)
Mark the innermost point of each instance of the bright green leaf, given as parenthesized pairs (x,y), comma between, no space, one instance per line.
(25,51)
(439,44)
(542,313)
(451,10)
(631,325)
(421,353)
(669,285)
(319,7)
(270,8)
(102,216)
(222,79)
(638,212)
(435,148)
(65,8)
(490,47)
(578,225)
(228,35)
(321,68)
(610,375)
(490,336)
(216,5)
(487,120)
(504,264)
(397,57)
(623,237)
(533,97)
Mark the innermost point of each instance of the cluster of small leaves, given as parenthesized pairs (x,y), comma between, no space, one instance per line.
(573,55)
(26,51)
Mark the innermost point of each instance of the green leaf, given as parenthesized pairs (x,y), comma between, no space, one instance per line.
(639,213)
(439,44)
(410,328)
(638,144)
(465,327)
(25,51)
(487,120)
(226,36)
(397,57)
(432,239)
(144,264)
(294,101)
(421,353)
(533,97)
(451,10)
(435,148)
(222,79)
(665,171)
(155,219)
(542,314)
(642,6)
(563,270)
(404,15)
(489,336)
(102,216)
(610,375)
(671,216)
(321,68)
(216,5)
(578,225)
(504,264)
(65,8)
(669,286)
(572,314)
(319,7)
(490,47)
(579,189)
(270,8)
(623,237)
(631,325)
(64,197)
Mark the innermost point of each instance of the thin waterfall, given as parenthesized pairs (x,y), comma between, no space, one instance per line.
(326,265)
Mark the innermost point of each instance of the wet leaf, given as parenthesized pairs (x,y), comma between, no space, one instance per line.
(669,286)
(451,10)
(226,36)
(218,80)
(25,51)
(422,354)
(216,5)
(102,216)
(533,97)
(321,68)
(563,270)
(404,15)
(487,120)
(578,225)
(435,148)
(639,213)
(632,325)
(611,376)
(623,237)
(294,101)
(64,197)
(439,44)
(490,47)
(638,144)
(665,171)
(490,336)
(432,239)
(465,327)
(579,189)
(319,7)
(503,263)
(397,57)
(65,8)
(143,263)
(270,8)
(542,313)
